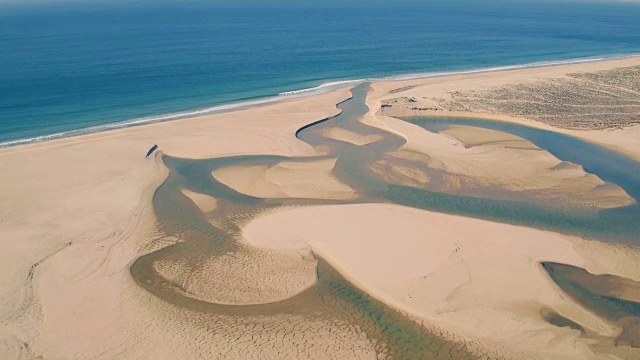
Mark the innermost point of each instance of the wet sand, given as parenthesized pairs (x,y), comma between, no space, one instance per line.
(112,255)
(615,298)
(486,163)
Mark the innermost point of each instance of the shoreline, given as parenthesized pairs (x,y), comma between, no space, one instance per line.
(85,192)
(623,140)
(295,94)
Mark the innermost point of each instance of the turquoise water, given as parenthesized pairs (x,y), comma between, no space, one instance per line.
(65,67)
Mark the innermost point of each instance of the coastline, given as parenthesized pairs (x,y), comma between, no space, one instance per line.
(90,195)
(293,94)
(621,140)
(80,194)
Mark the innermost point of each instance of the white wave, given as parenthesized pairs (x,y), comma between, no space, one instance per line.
(138,121)
(175,116)
(532,65)
(326,87)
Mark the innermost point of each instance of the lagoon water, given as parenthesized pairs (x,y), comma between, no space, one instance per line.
(210,236)
(65,67)
(618,224)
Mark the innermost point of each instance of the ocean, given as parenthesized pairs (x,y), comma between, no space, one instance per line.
(67,69)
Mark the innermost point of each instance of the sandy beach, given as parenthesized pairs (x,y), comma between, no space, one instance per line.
(77,213)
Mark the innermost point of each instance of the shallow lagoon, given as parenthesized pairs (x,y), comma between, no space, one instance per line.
(205,236)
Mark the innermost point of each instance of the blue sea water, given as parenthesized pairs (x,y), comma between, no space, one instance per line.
(65,67)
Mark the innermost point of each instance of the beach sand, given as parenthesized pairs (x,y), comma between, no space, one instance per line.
(430,96)
(485,163)
(478,279)
(77,212)
(287,179)
(204,202)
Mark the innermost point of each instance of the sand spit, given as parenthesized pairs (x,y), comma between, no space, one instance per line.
(349,136)
(471,137)
(479,279)
(491,164)
(77,213)
(293,179)
(573,99)
(204,202)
